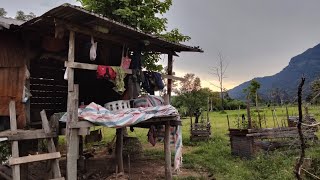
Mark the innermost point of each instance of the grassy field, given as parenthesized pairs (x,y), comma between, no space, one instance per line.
(214,156)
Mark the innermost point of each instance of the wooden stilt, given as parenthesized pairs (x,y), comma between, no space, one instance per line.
(167,151)
(119,149)
(14,147)
(72,134)
(73,137)
(170,65)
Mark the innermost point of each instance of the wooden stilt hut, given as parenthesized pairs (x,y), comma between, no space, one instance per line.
(45,65)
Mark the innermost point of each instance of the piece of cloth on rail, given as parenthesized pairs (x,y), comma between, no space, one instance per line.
(122,118)
(119,80)
(128,117)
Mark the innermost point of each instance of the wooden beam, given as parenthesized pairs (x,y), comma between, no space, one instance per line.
(27,135)
(86,66)
(72,134)
(166,76)
(34,158)
(14,144)
(101,35)
(119,149)
(51,146)
(45,122)
(169,86)
(94,67)
(167,152)
(71,55)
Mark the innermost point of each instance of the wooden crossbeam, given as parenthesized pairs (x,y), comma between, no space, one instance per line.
(27,135)
(94,67)
(34,158)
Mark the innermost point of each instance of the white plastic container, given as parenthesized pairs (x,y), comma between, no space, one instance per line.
(117,105)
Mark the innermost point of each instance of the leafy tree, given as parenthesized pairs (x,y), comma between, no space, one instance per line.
(252,90)
(191,83)
(145,15)
(315,91)
(24,17)
(3,12)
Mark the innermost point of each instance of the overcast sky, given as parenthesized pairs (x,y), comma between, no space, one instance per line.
(257,37)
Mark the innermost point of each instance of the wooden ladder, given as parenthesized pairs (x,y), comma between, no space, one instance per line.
(53,155)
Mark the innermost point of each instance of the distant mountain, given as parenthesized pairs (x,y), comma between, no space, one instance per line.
(287,80)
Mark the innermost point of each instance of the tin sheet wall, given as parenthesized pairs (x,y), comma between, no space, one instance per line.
(12,75)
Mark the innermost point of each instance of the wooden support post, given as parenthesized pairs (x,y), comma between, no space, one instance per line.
(70,71)
(119,149)
(167,151)
(14,146)
(169,85)
(72,134)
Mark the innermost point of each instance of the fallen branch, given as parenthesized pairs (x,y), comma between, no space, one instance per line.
(310,125)
(314,176)
(302,142)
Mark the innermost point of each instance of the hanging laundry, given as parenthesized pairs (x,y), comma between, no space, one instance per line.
(152,82)
(119,80)
(106,72)
(158,81)
(93,50)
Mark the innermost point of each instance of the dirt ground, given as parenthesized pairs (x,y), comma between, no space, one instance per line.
(102,167)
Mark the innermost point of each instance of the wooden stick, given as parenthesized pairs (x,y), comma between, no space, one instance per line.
(34,158)
(302,145)
(228,122)
(167,151)
(51,146)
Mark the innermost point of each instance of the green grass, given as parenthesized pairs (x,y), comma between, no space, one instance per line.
(214,156)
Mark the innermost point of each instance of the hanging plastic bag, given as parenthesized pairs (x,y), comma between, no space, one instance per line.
(125,61)
(93,50)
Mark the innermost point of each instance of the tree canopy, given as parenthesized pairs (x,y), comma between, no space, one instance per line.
(145,15)
(3,12)
(24,17)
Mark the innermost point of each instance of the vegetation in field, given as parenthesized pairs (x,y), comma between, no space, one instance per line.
(214,156)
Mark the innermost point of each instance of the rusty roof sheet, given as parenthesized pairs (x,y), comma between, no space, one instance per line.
(8,22)
(78,15)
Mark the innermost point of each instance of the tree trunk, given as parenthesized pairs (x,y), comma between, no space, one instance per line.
(221,98)
(248,113)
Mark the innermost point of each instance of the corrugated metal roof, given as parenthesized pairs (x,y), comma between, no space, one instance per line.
(82,17)
(7,22)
